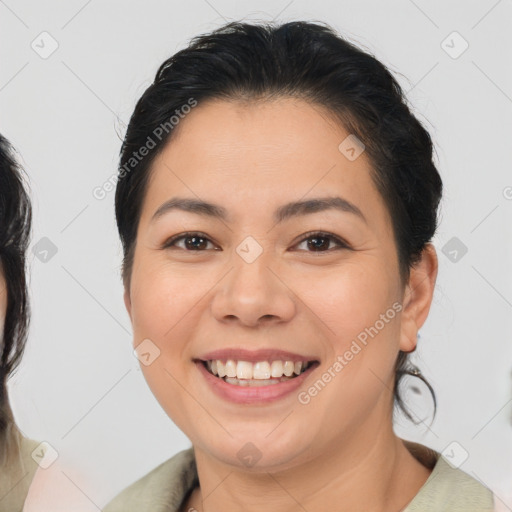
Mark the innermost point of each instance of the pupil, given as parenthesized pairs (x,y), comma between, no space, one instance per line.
(191,244)
(315,240)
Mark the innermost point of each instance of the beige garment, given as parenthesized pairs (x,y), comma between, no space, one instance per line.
(165,488)
(15,479)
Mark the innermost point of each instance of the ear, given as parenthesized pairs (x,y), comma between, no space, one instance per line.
(127,301)
(418,296)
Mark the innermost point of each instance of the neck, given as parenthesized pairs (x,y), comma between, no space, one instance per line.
(370,469)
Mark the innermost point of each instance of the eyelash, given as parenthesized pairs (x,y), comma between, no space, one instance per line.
(322,234)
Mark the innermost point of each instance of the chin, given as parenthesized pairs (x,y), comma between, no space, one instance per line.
(256,451)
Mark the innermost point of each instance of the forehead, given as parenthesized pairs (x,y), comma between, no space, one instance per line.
(254,156)
(284,129)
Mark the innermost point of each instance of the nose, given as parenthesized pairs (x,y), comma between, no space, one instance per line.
(253,294)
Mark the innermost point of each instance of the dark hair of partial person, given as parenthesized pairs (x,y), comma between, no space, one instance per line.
(15,227)
(251,62)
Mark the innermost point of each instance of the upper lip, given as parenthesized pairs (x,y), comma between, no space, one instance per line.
(270,354)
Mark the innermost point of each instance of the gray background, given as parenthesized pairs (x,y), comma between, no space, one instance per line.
(79,386)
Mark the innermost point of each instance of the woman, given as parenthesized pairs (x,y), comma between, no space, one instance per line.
(276,201)
(17,465)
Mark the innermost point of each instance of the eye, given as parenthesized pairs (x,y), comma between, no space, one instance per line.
(318,241)
(196,241)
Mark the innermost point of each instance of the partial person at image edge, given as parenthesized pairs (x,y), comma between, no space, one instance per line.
(17,465)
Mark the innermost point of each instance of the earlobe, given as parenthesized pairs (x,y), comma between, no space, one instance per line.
(418,297)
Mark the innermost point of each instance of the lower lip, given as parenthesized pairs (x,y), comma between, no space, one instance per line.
(254,394)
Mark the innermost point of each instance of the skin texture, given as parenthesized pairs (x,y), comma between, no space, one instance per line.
(251,159)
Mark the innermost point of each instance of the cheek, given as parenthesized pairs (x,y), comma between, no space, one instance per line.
(350,300)
(162,300)
(354,308)
(358,311)
(162,312)
(165,310)
(167,385)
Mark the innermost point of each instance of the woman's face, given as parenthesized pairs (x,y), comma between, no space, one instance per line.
(257,281)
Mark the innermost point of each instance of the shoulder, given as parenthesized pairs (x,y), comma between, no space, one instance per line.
(162,489)
(15,480)
(450,489)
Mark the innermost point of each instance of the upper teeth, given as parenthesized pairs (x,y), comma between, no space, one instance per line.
(259,370)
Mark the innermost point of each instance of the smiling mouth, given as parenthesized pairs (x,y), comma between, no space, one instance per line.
(261,373)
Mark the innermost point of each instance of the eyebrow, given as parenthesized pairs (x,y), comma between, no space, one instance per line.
(284,212)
